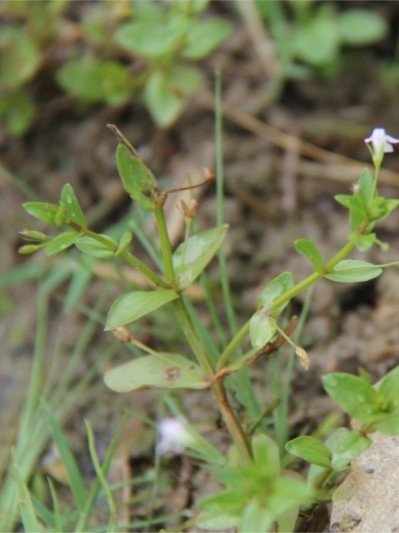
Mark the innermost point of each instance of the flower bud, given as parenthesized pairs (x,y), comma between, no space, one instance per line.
(302,357)
(33,235)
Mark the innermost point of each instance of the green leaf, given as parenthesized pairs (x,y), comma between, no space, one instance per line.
(387,423)
(358,209)
(204,37)
(353,270)
(308,249)
(262,328)
(239,362)
(347,446)
(154,38)
(287,520)
(310,449)
(19,56)
(134,305)
(215,520)
(344,199)
(354,394)
(366,183)
(42,210)
(161,371)
(25,504)
(193,7)
(148,11)
(126,239)
(388,388)
(267,455)
(261,482)
(81,277)
(94,248)
(62,242)
(95,80)
(381,208)
(61,218)
(137,179)
(72,207)
(255,517)
(363,242)
(360,27)
(116,83)
(166,92)
(68,460)
(317,41)
(194,254)
(276,288)
(54,521)
(17,111)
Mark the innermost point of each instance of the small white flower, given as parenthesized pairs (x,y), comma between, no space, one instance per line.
(381,142)
(174,436)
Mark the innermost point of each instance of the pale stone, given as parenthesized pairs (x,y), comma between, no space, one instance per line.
(368,499)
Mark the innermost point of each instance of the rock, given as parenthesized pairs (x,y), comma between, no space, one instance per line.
(367,501)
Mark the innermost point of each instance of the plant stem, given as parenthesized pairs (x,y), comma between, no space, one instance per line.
(219,393)
(286,297)
(165,245)
(310,280)
(193,339)
(232,423)
(127,256)
(141,267)
(236,341)
(377,165)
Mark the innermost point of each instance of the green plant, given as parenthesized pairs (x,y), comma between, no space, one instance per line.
(259,491)
(30,28)
(116,53)
(34,428)
(373,409)
(309,36)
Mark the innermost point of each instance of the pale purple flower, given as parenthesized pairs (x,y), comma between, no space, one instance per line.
(174,436)
(381,142)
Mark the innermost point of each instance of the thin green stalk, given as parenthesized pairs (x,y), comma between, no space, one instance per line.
(194,341)
(219,149)
(136,224)
(76,392)
(101,477)
(34,430)
(213,311)
(35,384)
(232,423)
(165,245)
(56,505)
(26,453)
(83,522)
(310,280)
(224,278)
(377,161)
(242,379)
(18,183)
(79,350)
(207,341)
(127,256)
(281,413)
(232,347)
(286,297)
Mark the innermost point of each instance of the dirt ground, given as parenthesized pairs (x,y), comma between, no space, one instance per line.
(281,174)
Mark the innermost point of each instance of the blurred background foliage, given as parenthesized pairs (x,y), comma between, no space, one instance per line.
(149,51)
